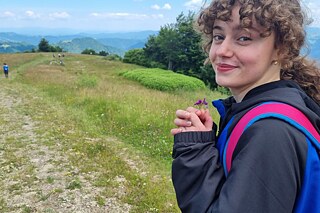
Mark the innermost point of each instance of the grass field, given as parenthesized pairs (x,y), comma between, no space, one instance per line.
(91,100)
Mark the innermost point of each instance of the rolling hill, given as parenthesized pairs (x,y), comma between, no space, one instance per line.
(77,45)
(124,44)
(116,43)
(13,47)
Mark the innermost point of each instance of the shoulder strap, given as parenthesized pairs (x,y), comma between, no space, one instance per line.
(278,110)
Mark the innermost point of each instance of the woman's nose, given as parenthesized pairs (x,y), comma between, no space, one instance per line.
(225,49)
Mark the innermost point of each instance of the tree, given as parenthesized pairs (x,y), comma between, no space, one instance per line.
(153,52)
(55,49)
(89,52)
(44,46)
(103,53)
(190,55)
(163,47)
(177,47)
(136,56)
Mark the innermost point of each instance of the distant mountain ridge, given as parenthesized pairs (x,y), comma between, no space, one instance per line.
(13,47)
(77,45)
(115,43)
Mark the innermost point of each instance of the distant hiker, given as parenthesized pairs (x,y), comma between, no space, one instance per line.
(6,70)
(53,55)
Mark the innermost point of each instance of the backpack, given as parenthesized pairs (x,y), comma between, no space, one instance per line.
(309,197)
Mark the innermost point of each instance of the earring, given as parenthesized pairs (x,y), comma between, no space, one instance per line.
(275,62)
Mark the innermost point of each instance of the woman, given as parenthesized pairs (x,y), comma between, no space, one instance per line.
(254,49)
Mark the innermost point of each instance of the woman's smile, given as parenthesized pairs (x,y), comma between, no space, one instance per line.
(224,67)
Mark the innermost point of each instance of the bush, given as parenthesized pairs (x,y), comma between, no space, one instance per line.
(103,53)
(135,56)
(113,57)
(223,90)
(89,52)
(164,80)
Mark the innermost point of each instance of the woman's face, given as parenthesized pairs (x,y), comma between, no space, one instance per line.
(241,58)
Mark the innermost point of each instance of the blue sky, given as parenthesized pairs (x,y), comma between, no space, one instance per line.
(102,15)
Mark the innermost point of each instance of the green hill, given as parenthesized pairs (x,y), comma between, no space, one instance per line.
(77,45)
(13,47)
(124,44)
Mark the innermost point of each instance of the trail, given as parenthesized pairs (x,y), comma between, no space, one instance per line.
(35,173)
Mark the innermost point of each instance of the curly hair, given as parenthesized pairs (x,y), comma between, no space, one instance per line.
(283,17)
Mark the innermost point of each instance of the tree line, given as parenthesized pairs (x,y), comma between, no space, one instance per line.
(44,46)
(176,47)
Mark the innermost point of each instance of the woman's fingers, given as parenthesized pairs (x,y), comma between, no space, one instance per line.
(195,120)
(192,119)
(208,122)
(183,114)
(177,130)
(182,123)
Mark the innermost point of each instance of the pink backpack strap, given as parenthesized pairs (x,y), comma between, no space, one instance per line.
(270,109)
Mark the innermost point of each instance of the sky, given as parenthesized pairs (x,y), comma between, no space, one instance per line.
(71,16)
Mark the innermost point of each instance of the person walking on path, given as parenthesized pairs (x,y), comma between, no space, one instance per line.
(6,70)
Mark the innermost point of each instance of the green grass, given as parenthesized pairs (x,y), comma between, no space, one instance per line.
(87,81)
(88,98)
(164,80)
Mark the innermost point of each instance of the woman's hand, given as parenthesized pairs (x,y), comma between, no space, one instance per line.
(192,119)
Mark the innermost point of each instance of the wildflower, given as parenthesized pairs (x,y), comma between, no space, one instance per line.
(201,103)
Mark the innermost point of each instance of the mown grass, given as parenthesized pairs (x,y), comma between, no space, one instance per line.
(92,97)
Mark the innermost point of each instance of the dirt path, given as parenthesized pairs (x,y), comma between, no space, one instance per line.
(37,177)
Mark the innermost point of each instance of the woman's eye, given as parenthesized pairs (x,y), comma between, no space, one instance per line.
(218,38)
(244,38)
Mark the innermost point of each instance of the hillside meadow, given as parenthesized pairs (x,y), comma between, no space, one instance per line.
(94,98)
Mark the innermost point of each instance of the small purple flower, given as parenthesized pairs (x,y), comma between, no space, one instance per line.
(200,103)
(205,103)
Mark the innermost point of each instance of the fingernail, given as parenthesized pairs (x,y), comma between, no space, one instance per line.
(189,123)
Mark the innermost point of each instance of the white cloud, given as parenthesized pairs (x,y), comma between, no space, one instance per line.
(7,14)
(31,14)
(59,15)
(194,4)
(167,6)
(156,7)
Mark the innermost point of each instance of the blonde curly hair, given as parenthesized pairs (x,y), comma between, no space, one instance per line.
(283,17)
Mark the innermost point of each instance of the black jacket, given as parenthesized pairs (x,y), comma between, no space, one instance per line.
(268,162)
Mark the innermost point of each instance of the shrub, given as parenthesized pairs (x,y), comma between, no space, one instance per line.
(113,57)
(103,53)
(223,90)
(164,80)
(89,52)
